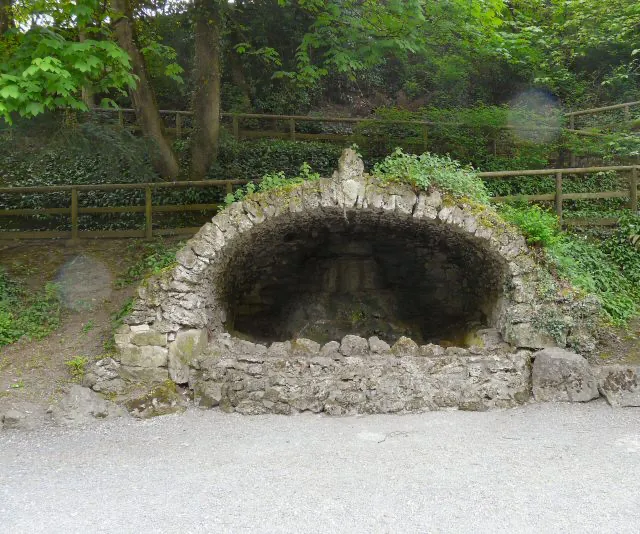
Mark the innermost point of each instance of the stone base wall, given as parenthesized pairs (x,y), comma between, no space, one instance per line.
(357,376)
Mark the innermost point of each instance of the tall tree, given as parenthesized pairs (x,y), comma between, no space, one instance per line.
(142,95)
(206,95)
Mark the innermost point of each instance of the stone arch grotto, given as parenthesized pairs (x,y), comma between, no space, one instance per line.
(349,295)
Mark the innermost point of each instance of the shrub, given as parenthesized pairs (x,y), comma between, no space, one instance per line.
(428,170)
(538,226)
(587,266)
(25,313)
(272,181)
(251,160)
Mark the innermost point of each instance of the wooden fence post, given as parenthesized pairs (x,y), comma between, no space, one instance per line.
(558,200)
(74,214)
(292,129)
(148,213)
(236,128)
(572,122)
(120,118)
(627,114)
(229,188)
(633,190)
(178,125)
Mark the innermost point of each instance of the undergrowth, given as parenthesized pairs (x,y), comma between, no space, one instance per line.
(272,181)
(608,267)
(33,315)
(154,257)
(427,170)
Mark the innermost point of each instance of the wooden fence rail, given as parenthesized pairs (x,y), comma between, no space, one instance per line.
(74,209)
(625,106)
(294,134)
(558,197)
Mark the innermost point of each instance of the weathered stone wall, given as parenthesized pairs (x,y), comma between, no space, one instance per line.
(282,262)
(357,376)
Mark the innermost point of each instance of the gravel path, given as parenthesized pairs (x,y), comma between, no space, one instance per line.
(542,468)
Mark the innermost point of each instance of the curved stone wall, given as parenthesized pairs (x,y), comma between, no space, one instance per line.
(438,260)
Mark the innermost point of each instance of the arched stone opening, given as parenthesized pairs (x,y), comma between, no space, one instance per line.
(319,275)
(327,273)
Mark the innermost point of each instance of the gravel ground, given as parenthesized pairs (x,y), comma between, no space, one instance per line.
(541,468)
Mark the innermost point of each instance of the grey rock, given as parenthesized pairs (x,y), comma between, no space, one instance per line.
(81,405)
(15,420)
(378,346)
(148,356)
(561,375)
(186,348)
(405,346)
(354,345)
(620,384)
(304,346)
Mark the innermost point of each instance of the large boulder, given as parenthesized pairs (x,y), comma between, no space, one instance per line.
(80,405)
(559,375)
(620,384)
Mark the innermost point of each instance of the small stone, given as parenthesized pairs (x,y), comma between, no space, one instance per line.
(330,349)
(280,349)
(354,345)
(13,419)
(405,347)
(304,346)
(561,375)
(138,328)
(378,346)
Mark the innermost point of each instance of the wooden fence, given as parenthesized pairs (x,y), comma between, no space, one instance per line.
(74,209)
(292,132)
(625,107)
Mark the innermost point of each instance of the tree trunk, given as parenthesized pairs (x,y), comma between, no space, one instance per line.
(6,16)
(87,90)
(142,96)
(206,96)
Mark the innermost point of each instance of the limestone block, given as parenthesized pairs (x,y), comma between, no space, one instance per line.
(145,375)
(526,336)
(150,337)
(330,349)
(378,346)
(148,356)
(405,346)
(427,205)
(188,345)
(561,375)
(208,394)
(304,346)
(354,345)
(620,384)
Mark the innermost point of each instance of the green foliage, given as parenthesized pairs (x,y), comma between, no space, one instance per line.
(251,160)
(46,71)
(608,268)
(428,170)
(155,256)
(539,227)
(623,246)
(77,367)
(589,268)
(24,313)
(272,181)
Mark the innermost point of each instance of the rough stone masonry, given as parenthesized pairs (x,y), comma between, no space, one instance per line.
(242,276)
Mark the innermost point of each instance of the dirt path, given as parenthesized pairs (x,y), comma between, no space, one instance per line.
(34,373)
